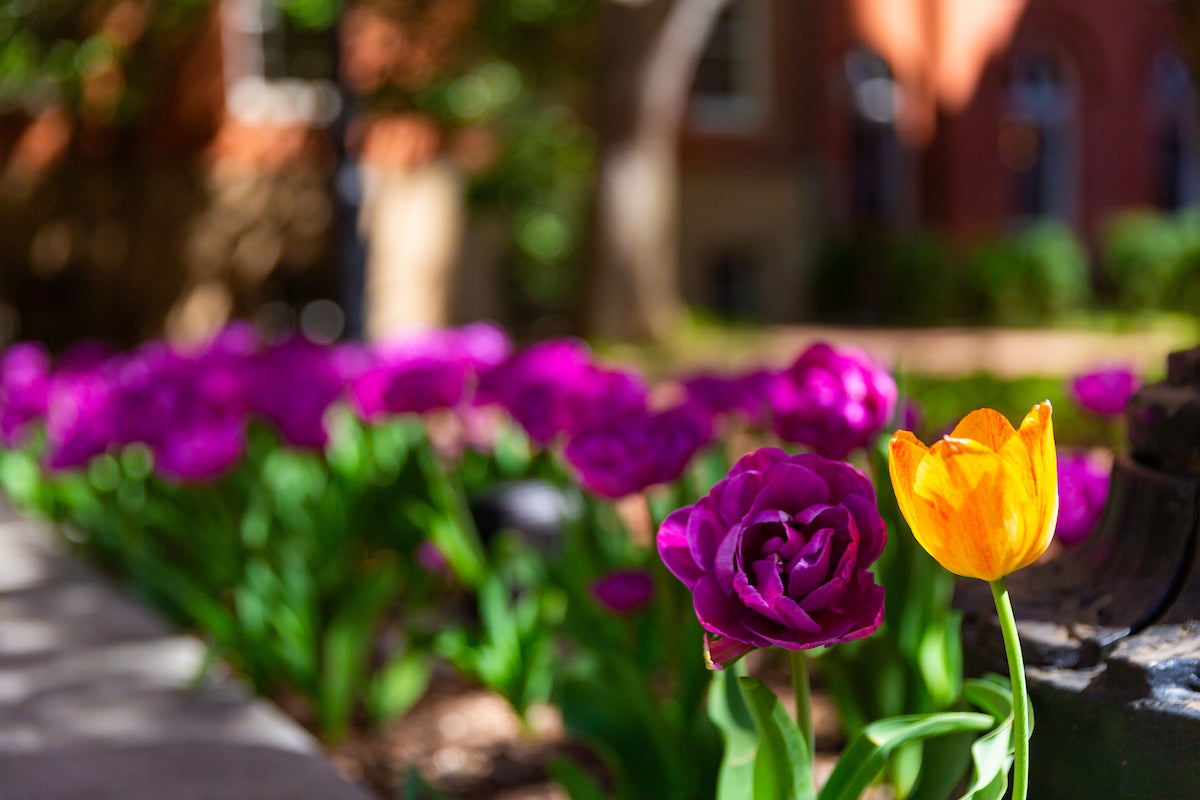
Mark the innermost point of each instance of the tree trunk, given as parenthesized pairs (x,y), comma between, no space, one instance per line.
(650,51)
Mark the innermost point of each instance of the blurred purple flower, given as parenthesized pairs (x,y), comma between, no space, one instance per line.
(912,415)
(720,395)
(832,401)
(1106,391)
(1082,492)
(779,553)
(292,385)
(624,592)
(24,390)
(431,559)
(634,453)
(436,370)
(81,418)
(553,387)
(188,409)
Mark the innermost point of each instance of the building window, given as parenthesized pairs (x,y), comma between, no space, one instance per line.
(1177,135)
(1039,136)
(731,92)
(878,170)
(735,288)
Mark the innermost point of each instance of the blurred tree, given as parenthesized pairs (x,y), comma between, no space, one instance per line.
(649,52)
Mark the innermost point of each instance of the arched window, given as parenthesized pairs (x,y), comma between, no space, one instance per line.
(1039,139)
(732,88)
(878,173)
(1177,135)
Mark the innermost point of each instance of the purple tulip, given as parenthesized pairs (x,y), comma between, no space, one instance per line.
(779,553)
(832,401)
(553,388)
(189,409)
(1107,391)
(1082,492)
(632,454)
(624,592)
(721,395)
(81,417)
(292,385)
(24,390)
(437,370)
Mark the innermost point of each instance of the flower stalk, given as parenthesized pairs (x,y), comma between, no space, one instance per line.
(802,692)
(1020,692)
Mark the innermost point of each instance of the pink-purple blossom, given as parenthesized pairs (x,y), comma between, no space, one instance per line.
(1106,391)
(625,591)
(436,370)
(1083,479)
(832,400)
(636,452)
(24,390)
(554,388)
(779,553)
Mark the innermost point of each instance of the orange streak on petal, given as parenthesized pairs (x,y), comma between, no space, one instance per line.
(986,426)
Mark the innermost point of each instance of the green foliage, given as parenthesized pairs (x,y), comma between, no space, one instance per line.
(946,400)
(1038,275)
(48,53)
(873,277)
(1152,260)
(1032,277)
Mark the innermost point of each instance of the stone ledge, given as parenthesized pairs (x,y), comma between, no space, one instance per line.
(99,698)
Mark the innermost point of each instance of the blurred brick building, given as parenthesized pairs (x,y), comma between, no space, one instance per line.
(968,118)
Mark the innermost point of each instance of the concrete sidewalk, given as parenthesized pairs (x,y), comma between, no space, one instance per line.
(97,699)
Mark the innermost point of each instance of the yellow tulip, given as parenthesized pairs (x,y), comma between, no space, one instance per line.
(983,501)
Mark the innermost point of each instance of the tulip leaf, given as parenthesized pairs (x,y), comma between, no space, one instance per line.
(992,753)
(868,753)
(400,684)
(579,785)
(783,768)
(728,711)
(765,758)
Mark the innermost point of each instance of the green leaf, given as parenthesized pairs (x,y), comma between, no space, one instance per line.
(578,784)
(400,684)
(991,754)
(783,767)
(346,649)
(732,717)
(868,753)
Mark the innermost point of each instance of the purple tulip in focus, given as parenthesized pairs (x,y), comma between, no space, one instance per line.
(24,390)
(553,388)
(1107,391)
(779,553)
(624,592)
(1082,492)
(832,401)
(634,453)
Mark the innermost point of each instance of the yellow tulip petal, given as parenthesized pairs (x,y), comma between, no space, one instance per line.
(988,427)
(982,501)
(905,453)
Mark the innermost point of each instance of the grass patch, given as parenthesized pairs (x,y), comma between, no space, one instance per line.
(946,400)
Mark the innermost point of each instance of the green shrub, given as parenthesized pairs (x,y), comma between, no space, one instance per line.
(1145,254)
(1033,277)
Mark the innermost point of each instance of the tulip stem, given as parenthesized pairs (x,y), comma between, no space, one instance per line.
(1020,693)
(802,692)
